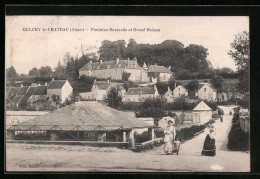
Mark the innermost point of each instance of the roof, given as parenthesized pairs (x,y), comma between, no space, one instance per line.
(144,90)
(86,115)
(56,84)
(102,85)
(202,106)
(28,94)
(23,90)
(40,90)
(17,99)
(158,69)
(13,91)
(202,84)
(130,64)
(182,87)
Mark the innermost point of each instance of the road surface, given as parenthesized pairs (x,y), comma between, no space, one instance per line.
(30,157)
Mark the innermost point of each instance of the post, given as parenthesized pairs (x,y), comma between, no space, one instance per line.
(54,136)
(151,133)
(101,136)
(131,139)
(124,136)
(10,134)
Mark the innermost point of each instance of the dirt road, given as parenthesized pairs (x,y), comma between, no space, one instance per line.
(29,157)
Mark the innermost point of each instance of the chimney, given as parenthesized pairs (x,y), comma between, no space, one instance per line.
(52,79)
(101,61)
(117,60)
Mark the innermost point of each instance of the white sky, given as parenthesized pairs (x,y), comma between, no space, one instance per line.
(28,49)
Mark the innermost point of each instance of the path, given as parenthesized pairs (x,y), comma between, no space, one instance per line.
(29,157)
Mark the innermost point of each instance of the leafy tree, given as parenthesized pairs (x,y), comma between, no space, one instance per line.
(112,50)
(11,72)
(34,72)
(114,97)
(192,87)
(217,81)
(240,53)
(60,70)
(152,107)
(46,71)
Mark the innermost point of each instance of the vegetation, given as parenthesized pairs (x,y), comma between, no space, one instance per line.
(217,82)
(240,53)
(114,98)
(238,140)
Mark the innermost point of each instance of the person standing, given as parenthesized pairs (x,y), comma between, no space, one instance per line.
(209,146)
(169,137)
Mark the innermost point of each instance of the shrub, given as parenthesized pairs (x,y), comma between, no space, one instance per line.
(140,138)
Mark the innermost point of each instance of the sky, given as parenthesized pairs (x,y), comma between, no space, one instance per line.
(26,48)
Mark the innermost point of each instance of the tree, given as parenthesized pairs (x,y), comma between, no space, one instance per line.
(152,107)
(217,81)
(60,70)
(240,53)
(114,98)
(11,72)
(192,86)
(34,72)
(112,50)
(46,71)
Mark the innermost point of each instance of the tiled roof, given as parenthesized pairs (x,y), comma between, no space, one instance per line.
(14,90)
(88,116)
(57,84)
(17,99)
(102,85)
(111,65)
(201,85)
(23,90)
(158,69)
(28,94)
(40,90)
(144,90)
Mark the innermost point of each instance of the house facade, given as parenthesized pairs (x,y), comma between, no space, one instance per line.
(61,88)
(100,90)
(180,91)
(207,92)
(204,112)
(115,69)
(140,94)
(168,95)
(159,73)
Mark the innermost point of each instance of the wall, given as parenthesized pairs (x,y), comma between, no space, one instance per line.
(138,98)
(165,76)
(66,91)
(209,94)
(179,91)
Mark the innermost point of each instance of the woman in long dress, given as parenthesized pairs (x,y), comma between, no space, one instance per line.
(169,137)
(209,147)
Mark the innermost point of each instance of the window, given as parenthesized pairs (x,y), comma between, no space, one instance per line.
(205,89)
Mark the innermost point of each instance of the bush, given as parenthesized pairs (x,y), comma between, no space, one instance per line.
(238,140)
(140,138)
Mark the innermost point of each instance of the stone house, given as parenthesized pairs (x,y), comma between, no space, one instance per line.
(100,90)
(61,88)
(140,94)
(115,69)
(168,95)
(180,91)
(159,73)
(206,92)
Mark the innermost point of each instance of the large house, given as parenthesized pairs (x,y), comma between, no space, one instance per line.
(180,91)
(100,90)
(61,88)
(159,73)
(115,69)
(140,94)
(207,92)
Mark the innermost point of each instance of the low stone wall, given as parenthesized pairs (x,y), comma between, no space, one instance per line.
(148,144)
(82,143)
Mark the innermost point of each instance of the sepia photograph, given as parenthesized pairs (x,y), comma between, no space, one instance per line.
(127,93)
